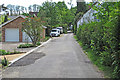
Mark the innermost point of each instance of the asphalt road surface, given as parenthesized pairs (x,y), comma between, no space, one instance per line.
(63,58)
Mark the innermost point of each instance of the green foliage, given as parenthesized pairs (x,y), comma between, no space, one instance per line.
(33,27)
(81,7)
(57,13)
(77,17)
(15,52)
(3,52)
(46,38)
(4,62)
(2,19)
(96,59)
(38,43)
(26,14)
(103,37)
(26,45)
(65,26)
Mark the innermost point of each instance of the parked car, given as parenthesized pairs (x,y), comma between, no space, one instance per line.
(61,29)
(55,32)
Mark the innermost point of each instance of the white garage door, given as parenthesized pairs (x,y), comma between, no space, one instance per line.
(26,38)
(12,35)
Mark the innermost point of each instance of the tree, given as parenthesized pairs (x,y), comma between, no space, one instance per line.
(6,18)
(22,9)
(35,7)
(81,6)
(14,10)
(57,13)
(17,9)
(2,19)
(50,12)
(33,27)
(61,5)
(9,6)
(26,9)
(104,35)
(77,17)
(30,8)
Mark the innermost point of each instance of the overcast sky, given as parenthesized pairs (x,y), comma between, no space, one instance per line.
(26,3)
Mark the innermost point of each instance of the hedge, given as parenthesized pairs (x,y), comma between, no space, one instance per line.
(103,39)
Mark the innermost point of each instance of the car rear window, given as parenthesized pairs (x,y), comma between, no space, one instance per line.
(54,30)
(59,28)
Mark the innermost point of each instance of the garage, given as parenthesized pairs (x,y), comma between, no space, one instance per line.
(12,34)
(12,30)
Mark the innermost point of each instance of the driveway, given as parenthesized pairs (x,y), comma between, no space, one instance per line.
(12,46)
(64,58)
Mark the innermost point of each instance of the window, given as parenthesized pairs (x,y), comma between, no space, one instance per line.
(54,30)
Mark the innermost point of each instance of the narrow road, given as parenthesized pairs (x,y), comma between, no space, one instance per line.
(63,58)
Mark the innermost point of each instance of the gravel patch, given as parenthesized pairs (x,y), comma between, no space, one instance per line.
(29,59)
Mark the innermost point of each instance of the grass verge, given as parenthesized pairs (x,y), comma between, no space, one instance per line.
(107,71)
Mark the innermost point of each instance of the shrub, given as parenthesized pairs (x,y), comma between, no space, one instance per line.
(15,52)
(103,39)
(4,62)
(106,59)
(65,26)
(3,52)
(46,38)
(38,43)
(26,45)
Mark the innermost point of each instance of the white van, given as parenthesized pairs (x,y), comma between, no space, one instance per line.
(55,32)
(61,29)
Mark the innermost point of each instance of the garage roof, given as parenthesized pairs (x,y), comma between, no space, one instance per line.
(14,19)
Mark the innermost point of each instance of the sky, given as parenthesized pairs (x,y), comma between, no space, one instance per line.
(26,3)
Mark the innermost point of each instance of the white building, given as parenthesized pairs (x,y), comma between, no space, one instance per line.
(87,17)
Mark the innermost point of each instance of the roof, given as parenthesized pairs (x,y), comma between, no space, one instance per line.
(87,10)
(12,20)
(15,17)
(33,13)
(12,17)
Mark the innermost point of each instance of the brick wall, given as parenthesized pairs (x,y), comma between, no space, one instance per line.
(16,24)
(13,24)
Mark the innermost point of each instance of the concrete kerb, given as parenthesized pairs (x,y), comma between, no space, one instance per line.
(13,61)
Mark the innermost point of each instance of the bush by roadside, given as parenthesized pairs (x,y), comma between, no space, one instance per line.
(46,38)
(3,52)
(4,62)
(26,45)
(101,38)
(107,70)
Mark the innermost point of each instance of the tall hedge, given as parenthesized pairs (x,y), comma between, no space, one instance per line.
(102,38)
